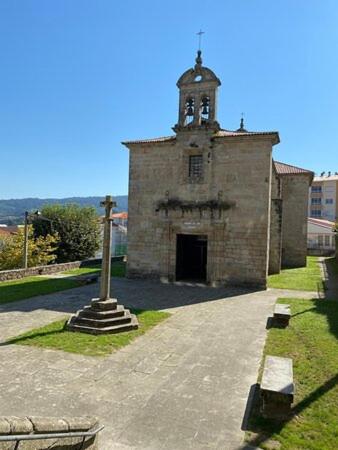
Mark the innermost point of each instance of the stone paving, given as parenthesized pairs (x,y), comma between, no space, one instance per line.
(183,385)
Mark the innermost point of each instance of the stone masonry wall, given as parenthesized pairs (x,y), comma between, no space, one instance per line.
(275,253)
(45,425)
(275,249)
(236,170)
(7,275)
(295,190)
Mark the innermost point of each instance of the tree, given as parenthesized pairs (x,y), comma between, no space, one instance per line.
(77,227)
(41,250)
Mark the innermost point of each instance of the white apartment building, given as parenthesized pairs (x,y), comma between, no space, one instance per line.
(323,197)
(321,238)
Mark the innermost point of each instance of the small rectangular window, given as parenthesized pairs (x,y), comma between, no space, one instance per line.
(327,240)
(195,166)
(320,240)
(316,189)
(316,201)
(329,201)
(316,213)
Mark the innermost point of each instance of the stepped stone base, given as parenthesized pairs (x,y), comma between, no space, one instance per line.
(103,317)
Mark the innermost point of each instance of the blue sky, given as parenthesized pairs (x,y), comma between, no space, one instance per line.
(78,77)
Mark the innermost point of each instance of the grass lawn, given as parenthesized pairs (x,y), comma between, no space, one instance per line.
(307,278)
(118,269)
(11,291)
(54,336)
(311,340)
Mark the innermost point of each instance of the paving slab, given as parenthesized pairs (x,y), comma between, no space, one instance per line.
(182,385)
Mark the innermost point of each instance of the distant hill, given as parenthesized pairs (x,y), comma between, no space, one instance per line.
(12,211)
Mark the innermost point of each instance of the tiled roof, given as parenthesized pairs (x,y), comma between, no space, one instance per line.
(150,141)
(322,223)
(225,133)
(219,134)
(121,215)
(287,169)
(6,231)
(326,178)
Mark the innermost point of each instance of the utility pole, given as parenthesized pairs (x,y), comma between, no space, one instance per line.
(25,242)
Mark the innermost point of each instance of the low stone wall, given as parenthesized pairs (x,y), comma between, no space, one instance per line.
(45,425)
(320,252)
(6,275)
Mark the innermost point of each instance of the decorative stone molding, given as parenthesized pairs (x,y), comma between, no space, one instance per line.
(189,206)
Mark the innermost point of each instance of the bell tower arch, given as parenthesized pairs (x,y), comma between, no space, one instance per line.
(197,98)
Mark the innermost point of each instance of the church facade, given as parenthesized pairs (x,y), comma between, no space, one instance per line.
(210,204)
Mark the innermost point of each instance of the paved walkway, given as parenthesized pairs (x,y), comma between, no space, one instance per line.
(183,385)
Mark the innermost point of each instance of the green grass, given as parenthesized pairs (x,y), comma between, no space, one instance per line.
(307,278)
(118,269)
(11,291)
(54,336)
(83,270)
(311,340)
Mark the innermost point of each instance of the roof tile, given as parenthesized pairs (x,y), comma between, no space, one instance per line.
(287,169)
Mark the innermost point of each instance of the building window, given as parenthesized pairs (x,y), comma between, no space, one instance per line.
(329,201)
(327,240)
(195,166)
(316,201)
(316,189)
(316,213)
(320,240)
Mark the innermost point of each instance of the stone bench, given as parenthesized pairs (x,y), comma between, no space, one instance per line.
(46,433)
(281,315)
(277,388)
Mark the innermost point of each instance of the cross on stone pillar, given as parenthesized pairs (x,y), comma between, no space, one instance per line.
(104,315)
(106,251)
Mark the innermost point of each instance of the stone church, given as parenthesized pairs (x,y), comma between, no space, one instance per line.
(210,204)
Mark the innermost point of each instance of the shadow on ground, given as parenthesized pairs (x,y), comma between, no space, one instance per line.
(137,294)
(264,429)
(331,280)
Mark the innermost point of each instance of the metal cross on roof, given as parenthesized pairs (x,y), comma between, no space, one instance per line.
(200,38)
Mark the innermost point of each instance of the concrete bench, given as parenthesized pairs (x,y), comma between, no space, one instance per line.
(281,315)
(277,388)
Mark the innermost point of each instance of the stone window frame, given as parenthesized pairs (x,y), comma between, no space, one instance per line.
(196,166)
(187,179)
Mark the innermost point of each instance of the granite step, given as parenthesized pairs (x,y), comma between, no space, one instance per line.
(90,313)
(98,323)
(132,325)
(104,305)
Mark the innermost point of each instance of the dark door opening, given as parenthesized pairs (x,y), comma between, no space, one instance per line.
(191,257)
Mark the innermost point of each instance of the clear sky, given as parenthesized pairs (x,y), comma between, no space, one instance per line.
(79,76)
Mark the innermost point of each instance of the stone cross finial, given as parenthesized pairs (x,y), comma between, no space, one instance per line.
(200,33)
(108,204)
